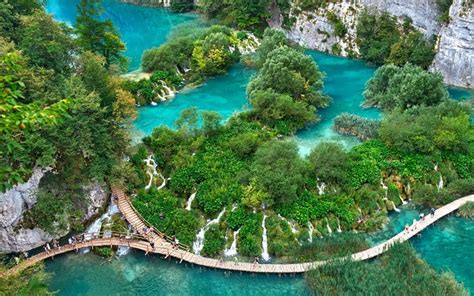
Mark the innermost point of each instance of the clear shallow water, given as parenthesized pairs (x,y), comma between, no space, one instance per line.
(448,245)
(137,274)
(139,27)
(224,94)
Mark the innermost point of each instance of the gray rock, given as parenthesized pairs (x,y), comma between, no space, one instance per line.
(455,57)
(96,197)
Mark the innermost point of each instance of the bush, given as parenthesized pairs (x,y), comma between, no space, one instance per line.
(214,241)
(467,210)
(362,128)
(105,252)
(250,236)
(394,272)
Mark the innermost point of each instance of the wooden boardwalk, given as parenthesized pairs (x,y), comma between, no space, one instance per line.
(158,243)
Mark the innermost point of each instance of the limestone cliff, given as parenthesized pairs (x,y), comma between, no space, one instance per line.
(455,57)
(16,201)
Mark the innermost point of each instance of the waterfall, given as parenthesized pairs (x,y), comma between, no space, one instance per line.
(153,103)
(328,227)
(152,172)
(292,226)
(232,251)
(310,232)
(124,250)
(385,188)
(441,182)
(198,244)
(395,207)
(95,227)
(339,226)
(402,200)
(265,255)
(190,201)
(169,93)
(321,187)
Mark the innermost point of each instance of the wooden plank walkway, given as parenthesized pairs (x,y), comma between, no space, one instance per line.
(162,245)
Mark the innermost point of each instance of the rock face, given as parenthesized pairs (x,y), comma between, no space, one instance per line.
(23,197)
(455,57)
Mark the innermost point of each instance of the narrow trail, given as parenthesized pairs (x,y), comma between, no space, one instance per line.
(158,243)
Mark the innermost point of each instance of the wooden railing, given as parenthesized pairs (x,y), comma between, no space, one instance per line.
(162,235)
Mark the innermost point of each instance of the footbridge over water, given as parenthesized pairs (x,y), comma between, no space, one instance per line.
(158,243)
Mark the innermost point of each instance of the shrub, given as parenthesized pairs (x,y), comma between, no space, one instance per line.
(214,241)
(467,210)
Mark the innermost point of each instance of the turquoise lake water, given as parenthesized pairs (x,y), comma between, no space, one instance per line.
(139,27)
(447,245)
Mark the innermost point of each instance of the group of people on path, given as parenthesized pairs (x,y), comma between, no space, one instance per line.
(422,219)
(51,246)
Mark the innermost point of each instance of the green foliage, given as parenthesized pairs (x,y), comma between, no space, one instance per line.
(329,163)
(146,91)
(366,163)
(461,187)
(50,212)
(272,39)
(354,125)
(21,123)
(413,49)
(196,52)
(431,196)
(281,241)
(340,29)
(32,281)
(445,127)
(47,43)
(182,5)
(243,14)
(376,34)
(443,6)
(214,241)
(381,40)
(105,252)
(404,87)
(99,36)
(467,210)
(160,208)
(286,90)
(250,236)
(394,272)
(236,218)
(279,170)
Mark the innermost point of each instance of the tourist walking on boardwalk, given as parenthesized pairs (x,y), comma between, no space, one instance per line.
(407,228)
(422,217)
(432,211)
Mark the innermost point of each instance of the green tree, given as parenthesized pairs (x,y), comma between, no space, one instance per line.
(47,43)
(413,49)
(99,36)
(182,5)
(404,87)
(280,170)
(329,162)
(272,39)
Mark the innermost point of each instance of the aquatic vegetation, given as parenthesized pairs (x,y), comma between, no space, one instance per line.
(32,281)
(467,210)
(354,125)
(393,272)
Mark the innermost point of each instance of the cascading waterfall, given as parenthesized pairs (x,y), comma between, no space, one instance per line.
(198,244)
(310,232)
(385,188)
(265,255)
(168,92)
(404,202)
(190,201)
(441,181)
(328,227)
(339,226)
(152,173)
(395,207)
(95,227)
(292,226)
(232,251)
(321,187)
(123,250)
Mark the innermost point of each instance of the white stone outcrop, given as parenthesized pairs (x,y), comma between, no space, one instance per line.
(455,57)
